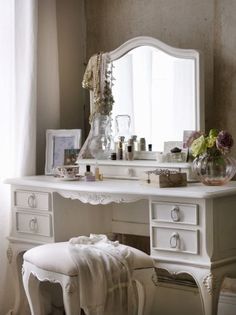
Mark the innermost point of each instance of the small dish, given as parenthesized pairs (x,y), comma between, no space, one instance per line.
(79,177)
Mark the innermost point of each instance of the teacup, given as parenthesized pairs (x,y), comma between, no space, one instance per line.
(67,171)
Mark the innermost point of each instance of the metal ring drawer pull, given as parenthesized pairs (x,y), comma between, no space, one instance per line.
(33,224)
(32,201)
(174,240)
(175,214)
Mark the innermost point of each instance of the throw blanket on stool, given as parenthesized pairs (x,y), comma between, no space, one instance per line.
(104,275)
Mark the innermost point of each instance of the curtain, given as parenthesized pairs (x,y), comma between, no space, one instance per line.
(18,38)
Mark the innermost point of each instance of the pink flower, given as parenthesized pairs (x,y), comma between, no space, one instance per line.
(224,141)
(193,136)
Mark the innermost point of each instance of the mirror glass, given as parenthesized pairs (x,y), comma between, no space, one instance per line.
(158,92)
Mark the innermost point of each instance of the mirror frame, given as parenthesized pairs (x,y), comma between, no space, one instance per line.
(175,52)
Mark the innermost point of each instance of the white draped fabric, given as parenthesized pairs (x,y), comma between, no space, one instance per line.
(107,264)
(18,38)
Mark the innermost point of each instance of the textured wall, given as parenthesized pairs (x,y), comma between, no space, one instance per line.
(180,23)
(208,26)
(225,67)
(71,49)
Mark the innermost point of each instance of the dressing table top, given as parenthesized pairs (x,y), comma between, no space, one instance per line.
(121,187)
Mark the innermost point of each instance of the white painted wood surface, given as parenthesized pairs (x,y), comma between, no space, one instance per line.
(198,239)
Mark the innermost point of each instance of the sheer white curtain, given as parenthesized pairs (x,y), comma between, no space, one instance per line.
(18,38)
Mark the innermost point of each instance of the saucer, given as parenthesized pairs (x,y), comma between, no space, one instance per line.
(77,177)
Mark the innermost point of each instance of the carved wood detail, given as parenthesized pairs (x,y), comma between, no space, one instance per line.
(9,254)
(210,282)
(94,198)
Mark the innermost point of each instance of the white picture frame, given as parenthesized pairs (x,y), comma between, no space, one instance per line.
(57,140)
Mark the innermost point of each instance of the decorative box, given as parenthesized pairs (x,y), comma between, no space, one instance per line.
(164,178)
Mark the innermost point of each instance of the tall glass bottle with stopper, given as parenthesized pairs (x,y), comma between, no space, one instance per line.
(122,131)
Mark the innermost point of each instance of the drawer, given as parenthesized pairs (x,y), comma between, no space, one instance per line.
(32,200)
(174,213)
(178,240)
(33,223)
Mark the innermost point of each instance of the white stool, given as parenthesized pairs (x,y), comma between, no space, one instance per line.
(51,262)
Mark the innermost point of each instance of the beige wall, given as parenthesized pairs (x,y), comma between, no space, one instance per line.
(61,55)
(48,96)
(71,47)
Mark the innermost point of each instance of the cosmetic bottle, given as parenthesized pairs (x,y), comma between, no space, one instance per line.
(142,144)
(89,177)
(176,155)
(120,148)
(113,156)
(135,143)
(129,153)
(150,147)
(96,171)
(88,171)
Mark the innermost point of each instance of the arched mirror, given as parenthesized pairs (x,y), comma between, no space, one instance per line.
(158,88)
(157,91)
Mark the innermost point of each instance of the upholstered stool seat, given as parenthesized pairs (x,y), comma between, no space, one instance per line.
(51,262)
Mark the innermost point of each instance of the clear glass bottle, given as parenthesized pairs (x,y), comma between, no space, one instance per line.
(123,123)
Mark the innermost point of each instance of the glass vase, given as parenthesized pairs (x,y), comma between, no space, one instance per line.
(100,144)
(214,170)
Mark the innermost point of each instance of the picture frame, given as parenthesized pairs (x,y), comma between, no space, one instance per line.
(57,141)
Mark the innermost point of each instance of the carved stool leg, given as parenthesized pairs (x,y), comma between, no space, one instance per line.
(31,286)
(14,255)
(145,290)
(71,297)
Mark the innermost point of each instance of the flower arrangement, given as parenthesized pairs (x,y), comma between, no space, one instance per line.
(215,143)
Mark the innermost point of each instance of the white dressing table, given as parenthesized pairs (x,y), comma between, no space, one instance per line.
(192,229)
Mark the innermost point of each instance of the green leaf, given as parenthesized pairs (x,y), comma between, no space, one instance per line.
(210,141)
(199,146)
(213,133)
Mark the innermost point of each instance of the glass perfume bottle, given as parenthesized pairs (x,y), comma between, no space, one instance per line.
(122,124)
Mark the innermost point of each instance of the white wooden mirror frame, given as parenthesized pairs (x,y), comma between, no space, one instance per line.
(199,100)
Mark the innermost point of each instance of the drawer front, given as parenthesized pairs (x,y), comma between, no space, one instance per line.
(33,224)
(175,213)
(32,200)
(178,240)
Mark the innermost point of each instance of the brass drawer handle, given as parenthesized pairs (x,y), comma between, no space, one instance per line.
(174,240)
(175,214)
(33,224)
(32,201)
